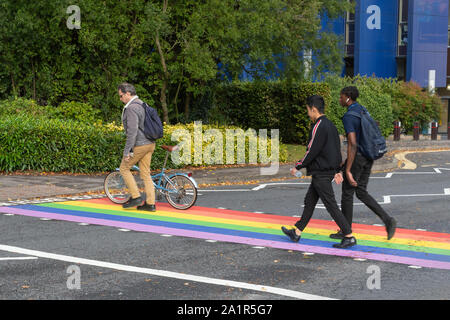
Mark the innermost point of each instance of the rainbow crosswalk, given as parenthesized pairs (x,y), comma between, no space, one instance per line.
(411,247)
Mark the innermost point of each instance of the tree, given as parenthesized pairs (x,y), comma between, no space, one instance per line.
(171,50)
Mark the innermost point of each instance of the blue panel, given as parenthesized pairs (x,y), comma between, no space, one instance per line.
(376,38)
(427,41)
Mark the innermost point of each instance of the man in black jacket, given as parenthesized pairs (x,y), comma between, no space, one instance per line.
(323,161)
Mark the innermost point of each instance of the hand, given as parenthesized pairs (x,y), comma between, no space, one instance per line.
(338,178)
(127,158)
(293,171)
(350,179)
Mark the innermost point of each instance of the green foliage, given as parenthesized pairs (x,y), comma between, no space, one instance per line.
(411,103)
(21,106)
(270,105)
(55,145)
(42,144)
(373,95)
(387,100)
(73,110)
(199,41)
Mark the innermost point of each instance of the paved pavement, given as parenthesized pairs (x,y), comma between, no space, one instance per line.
(14,187)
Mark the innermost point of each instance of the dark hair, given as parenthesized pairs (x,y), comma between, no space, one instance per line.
(351,92)
(317,102)
(126,87)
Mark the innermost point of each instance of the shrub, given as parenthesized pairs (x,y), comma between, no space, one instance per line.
(373,95)
(269,105)
(73,110)
(21,106)
(411,103)
(55,145)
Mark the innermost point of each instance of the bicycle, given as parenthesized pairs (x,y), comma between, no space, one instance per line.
(179,189)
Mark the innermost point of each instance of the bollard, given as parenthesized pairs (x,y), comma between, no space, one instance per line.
(448,131)
(434,130)
(416,131)
(396,131)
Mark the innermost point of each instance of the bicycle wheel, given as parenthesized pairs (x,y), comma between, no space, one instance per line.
(115,188)
(181,193)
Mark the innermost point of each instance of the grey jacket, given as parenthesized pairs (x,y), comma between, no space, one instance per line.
(133,124)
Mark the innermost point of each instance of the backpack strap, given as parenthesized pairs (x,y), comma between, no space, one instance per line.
(353,113)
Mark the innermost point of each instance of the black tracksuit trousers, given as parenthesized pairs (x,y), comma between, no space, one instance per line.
(360,170)
(322,188)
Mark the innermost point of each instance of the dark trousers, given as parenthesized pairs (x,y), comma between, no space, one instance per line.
(321,188)
(360,170)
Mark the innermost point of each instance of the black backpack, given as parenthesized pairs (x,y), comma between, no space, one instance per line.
(153,128)
(371,142)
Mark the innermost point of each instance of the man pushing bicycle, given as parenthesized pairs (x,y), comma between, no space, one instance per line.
(138,148)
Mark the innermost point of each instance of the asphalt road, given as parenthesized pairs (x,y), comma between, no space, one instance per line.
(417,200)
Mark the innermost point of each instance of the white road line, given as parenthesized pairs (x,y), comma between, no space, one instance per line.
(18,258)
(262,186)
(167,274)
(387,199)
(223,190)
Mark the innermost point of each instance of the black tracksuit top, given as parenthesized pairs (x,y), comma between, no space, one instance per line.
(323,154)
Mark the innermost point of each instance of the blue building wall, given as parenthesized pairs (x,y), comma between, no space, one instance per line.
(427,41)
(376,38)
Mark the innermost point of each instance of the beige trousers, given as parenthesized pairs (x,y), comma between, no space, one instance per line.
(143,155)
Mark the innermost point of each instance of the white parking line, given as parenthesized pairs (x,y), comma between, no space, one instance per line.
(167,274)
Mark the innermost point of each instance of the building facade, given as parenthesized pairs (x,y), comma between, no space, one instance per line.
(404,39)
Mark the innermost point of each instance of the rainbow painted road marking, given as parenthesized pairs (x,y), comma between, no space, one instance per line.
(411,247)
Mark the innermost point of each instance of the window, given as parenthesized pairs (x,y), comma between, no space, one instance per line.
(350,33)
(402,41)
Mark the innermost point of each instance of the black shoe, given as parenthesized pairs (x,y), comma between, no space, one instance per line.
(291,234)
(345,243)
(390,228)
(132,203)
(147,207)
(338,235)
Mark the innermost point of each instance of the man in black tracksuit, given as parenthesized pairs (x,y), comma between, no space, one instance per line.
(323,161)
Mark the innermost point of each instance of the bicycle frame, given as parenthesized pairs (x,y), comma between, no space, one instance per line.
(162,175)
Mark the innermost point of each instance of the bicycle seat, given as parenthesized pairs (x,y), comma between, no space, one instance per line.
(169,148)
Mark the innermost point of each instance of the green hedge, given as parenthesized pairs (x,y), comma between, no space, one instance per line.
(411,103)
(373,95)
(70,110)
(55,145)
(269,105)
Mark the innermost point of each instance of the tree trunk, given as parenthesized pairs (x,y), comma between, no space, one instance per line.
(13,84)
(163,96)
(186,105)
(175,101)
(166,75)
(34,81)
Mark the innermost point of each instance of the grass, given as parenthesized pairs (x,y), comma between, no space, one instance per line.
(295,152)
